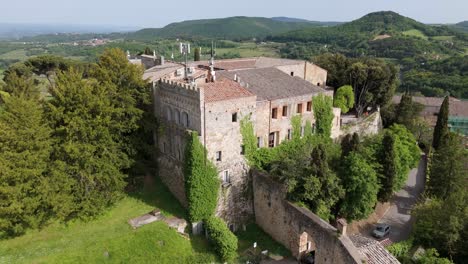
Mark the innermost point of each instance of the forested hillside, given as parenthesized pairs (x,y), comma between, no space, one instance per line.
(415,46)
(223,28)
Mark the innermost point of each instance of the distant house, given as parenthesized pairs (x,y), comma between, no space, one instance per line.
(458,111)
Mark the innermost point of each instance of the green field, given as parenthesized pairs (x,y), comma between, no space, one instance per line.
(443,38)
(250,49)
(415,33)
(110,239)
(19,54)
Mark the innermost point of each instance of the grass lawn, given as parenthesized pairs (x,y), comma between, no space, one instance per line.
(253,234)
(109,239)
(415,33)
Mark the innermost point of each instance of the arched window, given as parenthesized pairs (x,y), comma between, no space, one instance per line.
(177,116)
(185,119)
(168,113)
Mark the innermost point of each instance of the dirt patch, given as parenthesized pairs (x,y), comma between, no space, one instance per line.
(366,225)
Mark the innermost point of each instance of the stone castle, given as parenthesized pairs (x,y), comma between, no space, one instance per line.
(212,98)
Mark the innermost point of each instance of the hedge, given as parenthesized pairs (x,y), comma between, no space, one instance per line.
(223,240)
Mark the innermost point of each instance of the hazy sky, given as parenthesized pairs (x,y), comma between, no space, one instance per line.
(157,13)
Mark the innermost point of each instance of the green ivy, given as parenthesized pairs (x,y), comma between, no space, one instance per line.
(201,180)
(223,240)
(248,140)
(296,122)
(323,113)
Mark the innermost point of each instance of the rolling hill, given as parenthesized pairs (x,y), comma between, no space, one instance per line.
(222,28)
(462,26)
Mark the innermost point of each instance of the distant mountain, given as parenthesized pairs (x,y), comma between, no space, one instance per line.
(369,27)
(290,19)
(462,26)
(222,28)
(17,31)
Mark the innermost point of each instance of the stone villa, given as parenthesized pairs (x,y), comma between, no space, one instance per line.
(212,98)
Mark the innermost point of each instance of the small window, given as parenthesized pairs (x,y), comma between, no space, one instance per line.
(242,150)
(218,155)
(226,177)
(292,73)
(274,113)
(318,84)
(309,106)
(231,227)
(234,117)
(289,136)
(259,142)
(285,110)
(271,140)
(299,108)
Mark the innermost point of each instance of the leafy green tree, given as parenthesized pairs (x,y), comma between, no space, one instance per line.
(361,187)
(441,129)
(390,166)
(130,97)
(201,181)
(196,54)
(224,241)
(349,144)
(448,171)
(344,98)
(441,224)
(25,146)
(48,65)
(407,112)
(323,114)
(87,156)
(374,83)
(325,183)
(431,256)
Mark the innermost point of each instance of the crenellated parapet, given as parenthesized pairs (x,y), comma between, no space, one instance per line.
(179,85)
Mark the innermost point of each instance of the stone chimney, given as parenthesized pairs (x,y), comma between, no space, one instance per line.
(341,225)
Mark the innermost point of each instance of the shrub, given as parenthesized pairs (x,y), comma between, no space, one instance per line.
(224,241)
(344,98)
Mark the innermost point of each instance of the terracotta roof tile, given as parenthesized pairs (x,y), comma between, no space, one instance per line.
(373,250)
(224,89)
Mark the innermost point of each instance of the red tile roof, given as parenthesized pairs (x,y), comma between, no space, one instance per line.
(224,89)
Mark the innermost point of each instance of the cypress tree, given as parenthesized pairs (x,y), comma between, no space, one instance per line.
(349,143)
(441,129)
(448,172)
(196,54)
(389,163)
(25,146)
(404,110)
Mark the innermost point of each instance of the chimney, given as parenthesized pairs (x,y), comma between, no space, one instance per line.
(341,225)
(235,77)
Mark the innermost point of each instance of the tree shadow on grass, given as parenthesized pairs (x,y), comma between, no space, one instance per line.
(156,194)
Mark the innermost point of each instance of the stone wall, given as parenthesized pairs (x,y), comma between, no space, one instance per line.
(365,126)
(265,124)
(297,228)
(222,135)
(178,108)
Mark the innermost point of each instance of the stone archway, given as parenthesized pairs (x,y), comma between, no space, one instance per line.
(306,244)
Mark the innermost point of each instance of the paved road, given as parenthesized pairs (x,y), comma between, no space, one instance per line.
(398,215)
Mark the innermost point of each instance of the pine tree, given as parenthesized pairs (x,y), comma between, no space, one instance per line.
(25,146)
(20,86)
(88,158)
(448,172)
(441,129)
(390,167)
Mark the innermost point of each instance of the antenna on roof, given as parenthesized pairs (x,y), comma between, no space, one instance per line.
(185,50)
(211,74)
